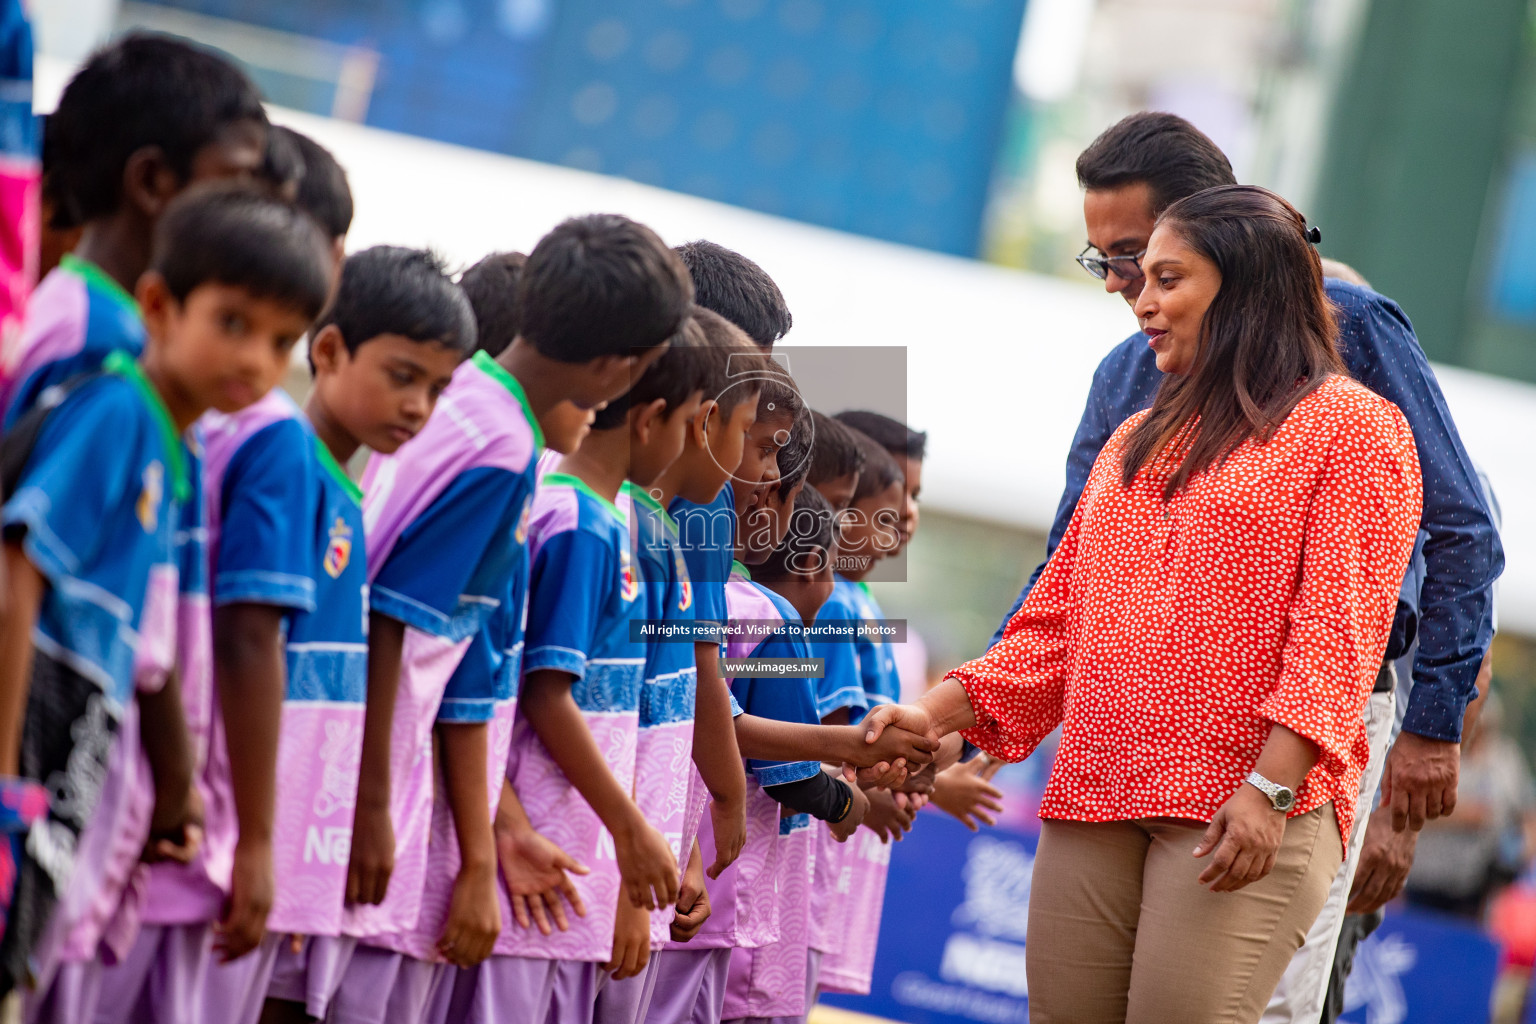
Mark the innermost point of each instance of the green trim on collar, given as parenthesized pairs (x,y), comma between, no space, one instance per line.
(123,365)
(334,468)
(640,494)
(100,278)
(500,374)
(737,567)
(567,480)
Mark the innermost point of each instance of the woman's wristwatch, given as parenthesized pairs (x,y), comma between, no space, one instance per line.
(1281,798)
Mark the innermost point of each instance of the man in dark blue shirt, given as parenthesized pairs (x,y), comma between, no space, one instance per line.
(1132,173)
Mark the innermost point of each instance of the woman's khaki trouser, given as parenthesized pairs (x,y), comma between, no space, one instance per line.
(1120,928)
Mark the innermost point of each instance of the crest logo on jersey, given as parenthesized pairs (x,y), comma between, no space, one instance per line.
(153,489)
(521,535)
(338,550)
(629,579)
(685,600)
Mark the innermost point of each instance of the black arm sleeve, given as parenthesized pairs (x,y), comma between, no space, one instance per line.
(820,796)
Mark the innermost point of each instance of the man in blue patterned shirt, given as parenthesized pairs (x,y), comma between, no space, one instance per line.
(1130,174)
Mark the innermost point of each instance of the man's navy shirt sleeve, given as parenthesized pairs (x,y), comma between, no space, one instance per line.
(1462,553)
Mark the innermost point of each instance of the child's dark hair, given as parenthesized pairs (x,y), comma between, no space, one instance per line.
(282,165)
(892,435)
(323,190)
(145,89)
(236,235)
(491,286)
(1173,157)
(674,377)
(601,285)
(389,289)
(809,544)
(738,289)
(779,394)
(834,451)
(794,455)
(734,365)
(880,469)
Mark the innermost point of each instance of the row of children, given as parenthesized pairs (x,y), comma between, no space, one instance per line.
(404,751)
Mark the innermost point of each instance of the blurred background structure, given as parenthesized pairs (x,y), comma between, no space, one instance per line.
(904,169)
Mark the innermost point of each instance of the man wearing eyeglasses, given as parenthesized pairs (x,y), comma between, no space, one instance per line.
(1130,174)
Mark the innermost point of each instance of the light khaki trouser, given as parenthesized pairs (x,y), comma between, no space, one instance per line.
(1120,928)
(1299,997)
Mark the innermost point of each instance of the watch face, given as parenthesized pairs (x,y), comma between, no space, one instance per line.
(1284,799)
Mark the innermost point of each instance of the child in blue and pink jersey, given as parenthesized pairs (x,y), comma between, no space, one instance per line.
(573,765)
(773,979)
(186,115)
(837,461)
(696,491)
(596,302)
(641,435)
(868,533)
(202,279)
(286,532)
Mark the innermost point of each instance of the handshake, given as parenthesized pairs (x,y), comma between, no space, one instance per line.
(893,743)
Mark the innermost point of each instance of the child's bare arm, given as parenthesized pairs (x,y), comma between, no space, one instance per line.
(176,825)
(474,917)
(249,668)
(645,860)
(373,836)
(769,740)
(23,596)
(718,760)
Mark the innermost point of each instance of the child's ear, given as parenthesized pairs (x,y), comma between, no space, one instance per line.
(698,430)
(156,303)
(326,349)
(644,419)
(149,181)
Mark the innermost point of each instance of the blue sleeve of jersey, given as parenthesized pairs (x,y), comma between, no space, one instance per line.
(266,549)
(74,480)
(446,573)
(476,683)
(565,601)
(783,700)
(840,685)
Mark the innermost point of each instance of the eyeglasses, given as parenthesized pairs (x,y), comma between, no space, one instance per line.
(1127,268)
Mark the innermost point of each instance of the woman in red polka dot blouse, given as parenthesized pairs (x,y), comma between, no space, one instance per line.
(1206,636)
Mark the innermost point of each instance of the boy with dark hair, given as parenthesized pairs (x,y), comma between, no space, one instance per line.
(779,409)
(584,760)
(91,556)
(739,290)
(908,447)
(770,979)
(449,566)
(282,166)
(323,190)
(290,645)
(776,500)
(143,119)
(492,287)
(836,460)
(867,533)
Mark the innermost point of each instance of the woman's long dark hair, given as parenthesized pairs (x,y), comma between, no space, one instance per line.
(1267,341)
